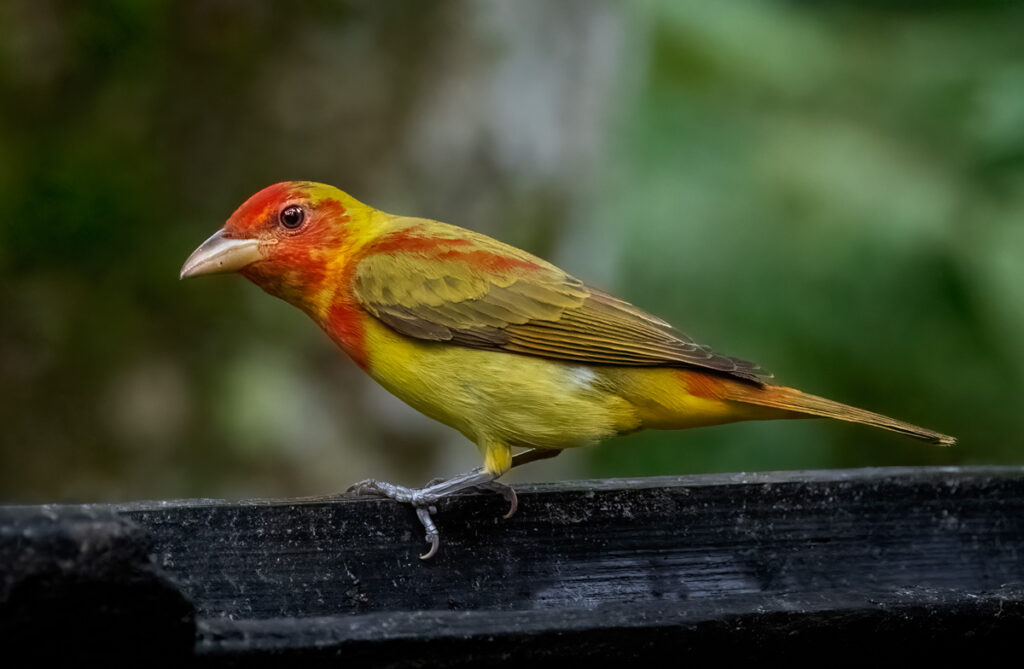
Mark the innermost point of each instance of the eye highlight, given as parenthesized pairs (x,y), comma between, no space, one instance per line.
(292,216)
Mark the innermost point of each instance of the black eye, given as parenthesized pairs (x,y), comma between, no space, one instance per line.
(292,216)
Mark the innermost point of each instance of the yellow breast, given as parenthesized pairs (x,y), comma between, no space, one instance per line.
(495,396)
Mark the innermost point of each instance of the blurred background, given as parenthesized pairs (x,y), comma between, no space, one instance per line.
(833,189)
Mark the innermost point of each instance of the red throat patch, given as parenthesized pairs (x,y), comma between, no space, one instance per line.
(345,323)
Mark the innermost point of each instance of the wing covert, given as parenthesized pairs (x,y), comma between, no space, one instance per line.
(474,291)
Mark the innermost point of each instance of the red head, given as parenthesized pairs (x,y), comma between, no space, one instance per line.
(288,239)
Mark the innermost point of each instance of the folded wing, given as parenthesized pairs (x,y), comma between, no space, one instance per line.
(437,282)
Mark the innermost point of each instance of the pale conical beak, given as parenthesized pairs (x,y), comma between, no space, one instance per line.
(220,254)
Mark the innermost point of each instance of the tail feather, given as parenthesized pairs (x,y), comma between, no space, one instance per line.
(790,399)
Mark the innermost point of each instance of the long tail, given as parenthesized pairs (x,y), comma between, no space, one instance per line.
(791,399)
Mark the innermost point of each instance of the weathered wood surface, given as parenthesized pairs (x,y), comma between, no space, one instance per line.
(912,563)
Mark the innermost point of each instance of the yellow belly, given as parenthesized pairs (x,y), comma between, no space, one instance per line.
(503,400)
(493,396)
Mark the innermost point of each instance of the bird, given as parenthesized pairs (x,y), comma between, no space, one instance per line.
(519,356)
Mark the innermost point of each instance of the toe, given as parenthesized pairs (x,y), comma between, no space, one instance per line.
(432,537)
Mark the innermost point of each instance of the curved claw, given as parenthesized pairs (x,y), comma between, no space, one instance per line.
(433,537)
(364,487)
(506,491)
(513,502)
(375,488)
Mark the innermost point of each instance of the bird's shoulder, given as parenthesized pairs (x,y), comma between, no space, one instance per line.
(449,248)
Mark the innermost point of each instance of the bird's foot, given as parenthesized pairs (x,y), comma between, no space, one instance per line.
(506,491)
(424,499)
(399,493)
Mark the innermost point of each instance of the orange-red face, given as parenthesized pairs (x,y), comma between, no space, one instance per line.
(283,238)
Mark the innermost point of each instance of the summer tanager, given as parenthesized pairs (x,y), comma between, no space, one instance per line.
(506,348)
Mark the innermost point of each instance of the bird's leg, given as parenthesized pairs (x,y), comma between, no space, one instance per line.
(507,491)
(424,499)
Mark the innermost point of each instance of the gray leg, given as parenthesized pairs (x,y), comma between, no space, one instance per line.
(424,499)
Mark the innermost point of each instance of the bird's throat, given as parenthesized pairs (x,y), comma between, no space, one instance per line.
(345,324)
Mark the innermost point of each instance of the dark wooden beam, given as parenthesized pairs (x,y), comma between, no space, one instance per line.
(887,563)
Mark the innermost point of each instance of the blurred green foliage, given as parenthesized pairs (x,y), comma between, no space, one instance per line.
(835,190)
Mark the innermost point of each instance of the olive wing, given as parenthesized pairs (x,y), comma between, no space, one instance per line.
(470,290)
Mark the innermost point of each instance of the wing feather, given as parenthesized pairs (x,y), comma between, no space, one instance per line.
(436,282)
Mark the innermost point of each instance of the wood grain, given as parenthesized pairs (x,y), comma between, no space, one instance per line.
(916,563)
